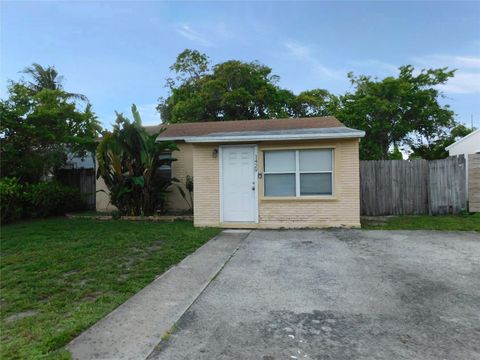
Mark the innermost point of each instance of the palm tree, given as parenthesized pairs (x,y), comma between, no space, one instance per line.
(47,78)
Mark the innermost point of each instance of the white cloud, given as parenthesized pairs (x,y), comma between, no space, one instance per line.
(305,54)
(380,67)
(467,76)
(207,34)
(470,62)
(463,83)
(187,32)
(297,50)
(452,61)
(149,114)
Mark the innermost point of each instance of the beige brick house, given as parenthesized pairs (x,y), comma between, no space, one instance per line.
(282,173)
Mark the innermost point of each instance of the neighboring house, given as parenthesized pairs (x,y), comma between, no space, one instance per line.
(467,145)
(79,162)
(290,173)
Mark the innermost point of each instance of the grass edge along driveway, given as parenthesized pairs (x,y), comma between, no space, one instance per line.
(462,222)
(60,276)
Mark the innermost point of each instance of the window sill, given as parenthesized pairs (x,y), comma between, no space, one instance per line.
(300,198)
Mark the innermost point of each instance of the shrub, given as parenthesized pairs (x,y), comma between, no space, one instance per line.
(11,199)
(36,200)
(51,198)
(129,159)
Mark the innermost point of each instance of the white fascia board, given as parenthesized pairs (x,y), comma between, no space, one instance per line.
(171,138)
(215,139)
(461,139)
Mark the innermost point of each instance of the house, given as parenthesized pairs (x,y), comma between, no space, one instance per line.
(467,145)
(281,173)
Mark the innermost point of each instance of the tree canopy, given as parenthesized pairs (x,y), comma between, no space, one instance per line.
(47,78)
(232,90)
(395,112)
(436,149)
(40,123)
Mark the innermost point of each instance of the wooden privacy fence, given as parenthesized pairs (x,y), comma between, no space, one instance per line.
(404,187)
(83,180)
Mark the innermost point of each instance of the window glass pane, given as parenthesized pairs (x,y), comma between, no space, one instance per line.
(315,160)
(315,184)
(279,184)
(280,161)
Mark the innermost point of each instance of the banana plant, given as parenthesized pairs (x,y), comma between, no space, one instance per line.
(128,161)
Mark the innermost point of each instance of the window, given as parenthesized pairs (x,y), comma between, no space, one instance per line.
(165,170)
(298,172)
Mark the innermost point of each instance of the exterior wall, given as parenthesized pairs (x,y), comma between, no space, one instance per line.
(340,209)
(474,183)
(180,169)
(206,208)
(102,200)
(470,145)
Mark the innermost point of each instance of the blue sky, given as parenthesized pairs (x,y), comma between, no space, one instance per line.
(119,53)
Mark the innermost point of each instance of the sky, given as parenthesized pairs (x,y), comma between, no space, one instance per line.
(119,52)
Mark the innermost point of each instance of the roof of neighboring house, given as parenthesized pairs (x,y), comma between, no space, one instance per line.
(256,130)
(473,133)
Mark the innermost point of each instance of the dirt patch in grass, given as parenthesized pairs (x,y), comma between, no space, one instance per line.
(20,315)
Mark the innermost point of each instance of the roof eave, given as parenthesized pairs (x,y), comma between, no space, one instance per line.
(461,139)
(249,138)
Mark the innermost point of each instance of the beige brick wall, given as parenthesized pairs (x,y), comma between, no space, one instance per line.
(180,169)
(206,208)
(474,182)
(102,198)
(341,209)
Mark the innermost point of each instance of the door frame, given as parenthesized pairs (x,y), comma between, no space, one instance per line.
(255,179)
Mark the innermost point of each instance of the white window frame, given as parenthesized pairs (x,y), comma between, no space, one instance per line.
(297,172)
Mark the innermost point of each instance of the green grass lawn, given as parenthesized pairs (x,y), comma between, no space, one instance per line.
(60,276)
(448,222)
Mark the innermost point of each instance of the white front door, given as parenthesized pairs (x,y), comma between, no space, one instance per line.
(239,183)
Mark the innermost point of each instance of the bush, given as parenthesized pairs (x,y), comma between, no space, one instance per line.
(36,200)
(11,199)
(50,198)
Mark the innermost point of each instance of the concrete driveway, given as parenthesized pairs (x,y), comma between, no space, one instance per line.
(342,294)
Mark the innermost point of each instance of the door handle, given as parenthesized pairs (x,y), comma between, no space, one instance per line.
(253,186)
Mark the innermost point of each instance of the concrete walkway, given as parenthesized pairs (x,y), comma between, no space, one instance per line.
(134,329)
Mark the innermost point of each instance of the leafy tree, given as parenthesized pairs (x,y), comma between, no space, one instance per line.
(396,110)
(128,161)
(437,149)
(316,102)
(38,126)
(231,90)
(190,66)
(396,154)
